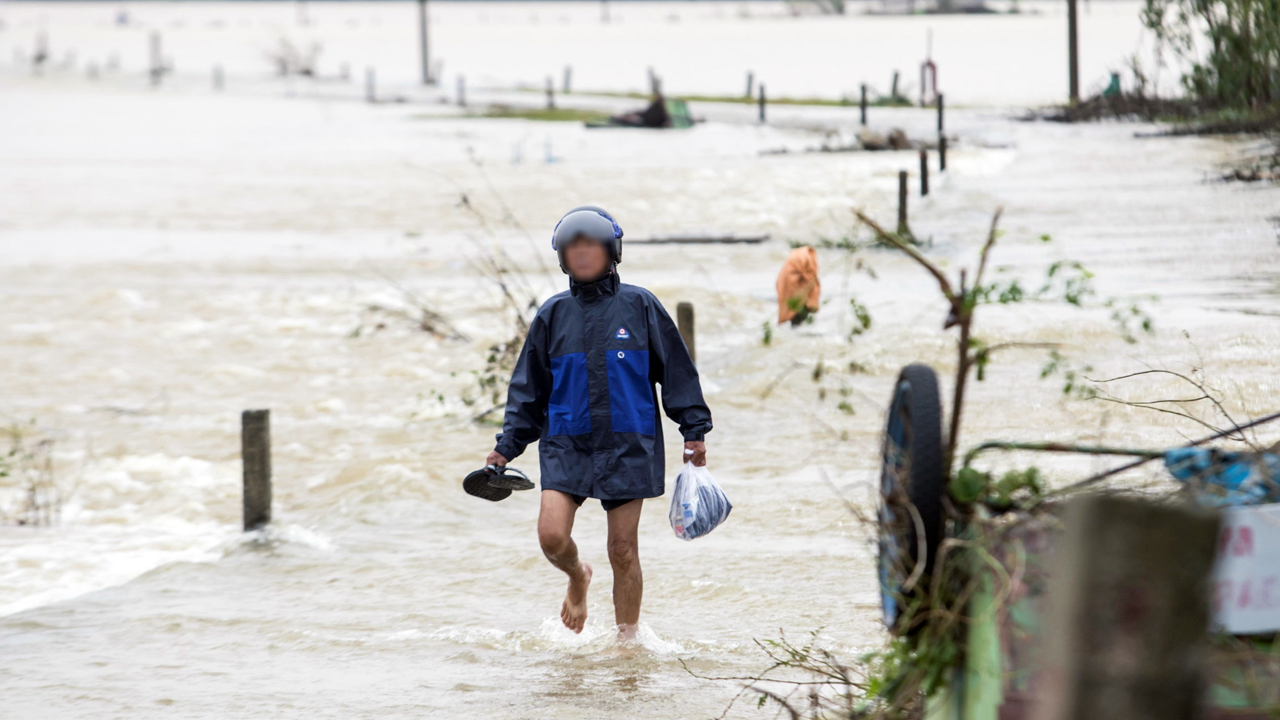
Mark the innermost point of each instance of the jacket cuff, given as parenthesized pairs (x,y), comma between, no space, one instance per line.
(695,436)
(508,450)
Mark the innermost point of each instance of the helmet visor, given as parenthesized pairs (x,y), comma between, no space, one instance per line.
(583,223)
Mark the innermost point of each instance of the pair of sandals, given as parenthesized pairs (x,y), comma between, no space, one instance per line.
(496,482)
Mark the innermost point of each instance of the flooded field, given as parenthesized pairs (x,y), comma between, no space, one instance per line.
(172,256)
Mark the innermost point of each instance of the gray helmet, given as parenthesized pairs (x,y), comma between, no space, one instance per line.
(591,222)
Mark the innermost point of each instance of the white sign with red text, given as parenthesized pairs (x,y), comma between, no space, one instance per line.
(1246,587)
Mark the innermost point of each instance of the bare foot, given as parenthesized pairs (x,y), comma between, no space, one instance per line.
(574,611)
(627,633)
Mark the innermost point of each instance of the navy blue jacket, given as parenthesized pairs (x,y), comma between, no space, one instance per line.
(584,388)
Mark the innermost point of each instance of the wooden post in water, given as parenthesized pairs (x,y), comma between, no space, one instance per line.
(684,320)
(157,62)
(217,78)
(902,202)
(942,153)
(422,37)
(255,452)
(751,84)
(551,94)
(761,102)
(1127,630)
(862,105)
(462,91)
(568,79)
(1073,52)
(924,173)
(939,113)
(370,85)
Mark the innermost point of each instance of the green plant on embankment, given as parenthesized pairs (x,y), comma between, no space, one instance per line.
(543,114)
(1232,48)
(876,101)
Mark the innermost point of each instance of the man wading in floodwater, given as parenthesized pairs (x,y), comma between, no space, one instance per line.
(584,388)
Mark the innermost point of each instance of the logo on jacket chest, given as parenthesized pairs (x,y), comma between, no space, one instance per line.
(622,334)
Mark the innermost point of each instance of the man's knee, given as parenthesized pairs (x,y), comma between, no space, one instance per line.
(623,552)
(554,541)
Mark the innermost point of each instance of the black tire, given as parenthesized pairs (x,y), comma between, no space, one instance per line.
(912,475)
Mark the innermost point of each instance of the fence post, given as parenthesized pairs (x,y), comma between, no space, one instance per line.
(1073,53)
(893,90)
(551,94)
(902,202)
(751,84)
(370,85)
(942,153)
(422,39)
(761,102)
(1127,629)
(862,105)
(939,113)
(255,452)
(684,320)
(924,173)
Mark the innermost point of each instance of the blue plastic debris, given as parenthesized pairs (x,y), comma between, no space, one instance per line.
(1222,478)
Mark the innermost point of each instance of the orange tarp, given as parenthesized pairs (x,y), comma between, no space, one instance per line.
(799,280)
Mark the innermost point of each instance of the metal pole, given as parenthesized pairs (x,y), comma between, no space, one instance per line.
(684,320)
(751,83)
(551,94)
(939,113)
(1073,51)
(761,102)
(942,153)
(422,34)
(255,452)
(862,105)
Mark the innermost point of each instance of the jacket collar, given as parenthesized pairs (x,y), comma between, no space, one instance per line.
(607,285)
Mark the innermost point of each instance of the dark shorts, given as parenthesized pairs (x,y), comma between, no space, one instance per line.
(608,504)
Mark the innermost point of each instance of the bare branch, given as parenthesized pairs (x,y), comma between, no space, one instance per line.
(896,241)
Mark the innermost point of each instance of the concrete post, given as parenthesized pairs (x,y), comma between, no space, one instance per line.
(1127,627)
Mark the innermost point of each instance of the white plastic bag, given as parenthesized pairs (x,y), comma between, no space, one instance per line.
(698,504)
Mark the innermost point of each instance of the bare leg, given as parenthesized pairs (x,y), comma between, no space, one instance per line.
(624,556)
(555,528)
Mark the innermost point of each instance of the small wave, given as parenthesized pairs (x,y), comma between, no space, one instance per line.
(277,535)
